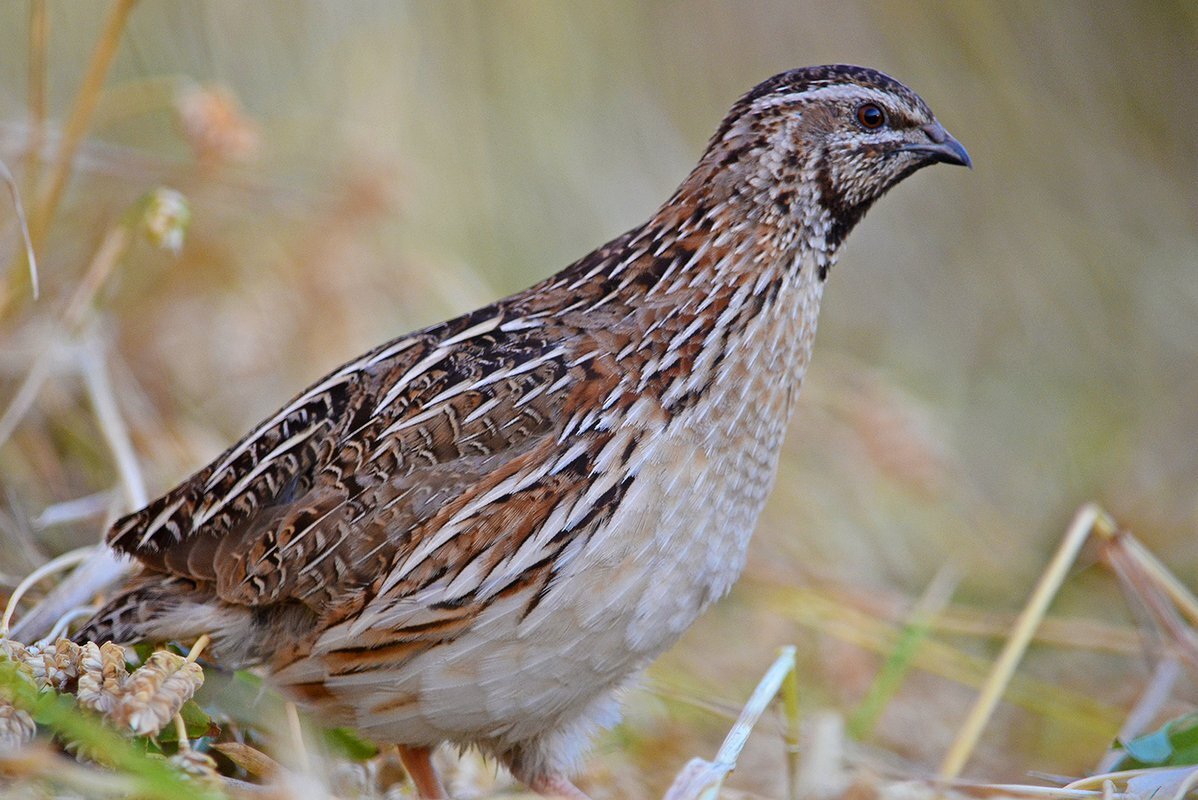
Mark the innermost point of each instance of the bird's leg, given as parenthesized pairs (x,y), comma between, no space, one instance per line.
(557,786)
(418,761)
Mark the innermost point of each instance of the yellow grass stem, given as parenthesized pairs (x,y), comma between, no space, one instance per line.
(22,226)
(114,246)
(297,737)
(198,647)
(1092,635)
(1025,626)
(77,123)
(863,630)
(39,35)
(181,733)
(80,116)
(1181,596)
(790,706)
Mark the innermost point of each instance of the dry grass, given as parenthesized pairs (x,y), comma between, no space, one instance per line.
(997,347)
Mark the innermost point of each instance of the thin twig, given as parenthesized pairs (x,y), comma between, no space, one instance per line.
(1025,790)
(27,392)
(700,779)
(767,689)
(60,627)
(101,266)
(1181,596)
(112,424)
(1145,586)
(1123,777)
(1149,704)
(80,509)
(1190,782)
(763,695)
(102,569)
(68,559)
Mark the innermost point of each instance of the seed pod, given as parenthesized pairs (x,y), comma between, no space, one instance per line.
(155,692)
(102,676)
(197,765)
(12,650)
(16,727)
(19,655)
(62,664)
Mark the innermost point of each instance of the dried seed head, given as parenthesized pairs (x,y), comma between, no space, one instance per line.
(155,692)
(18,654)
(17,728)
(352,779)
(56,665)
(215,125)
(102,676)
(196,765)
(12,650)
(165,219)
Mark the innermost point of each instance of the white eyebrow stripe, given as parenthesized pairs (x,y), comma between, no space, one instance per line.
(839,91)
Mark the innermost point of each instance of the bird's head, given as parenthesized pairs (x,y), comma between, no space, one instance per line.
(825,142)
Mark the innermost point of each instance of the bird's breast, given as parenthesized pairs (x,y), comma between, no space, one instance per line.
(703,471)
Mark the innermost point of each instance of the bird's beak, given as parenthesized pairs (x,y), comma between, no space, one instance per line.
(940,147)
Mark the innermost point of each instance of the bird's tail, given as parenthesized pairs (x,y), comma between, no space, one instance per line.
(163,608)
(137,613)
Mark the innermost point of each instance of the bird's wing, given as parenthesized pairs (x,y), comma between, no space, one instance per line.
(435,458)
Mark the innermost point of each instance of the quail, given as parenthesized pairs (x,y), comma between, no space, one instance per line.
(477,532)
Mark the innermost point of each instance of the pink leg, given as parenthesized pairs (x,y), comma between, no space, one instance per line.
(418,761)
(557,786)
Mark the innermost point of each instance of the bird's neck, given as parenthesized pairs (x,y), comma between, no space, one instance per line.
(769,224)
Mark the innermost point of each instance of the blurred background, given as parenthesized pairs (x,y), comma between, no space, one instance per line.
(997,347)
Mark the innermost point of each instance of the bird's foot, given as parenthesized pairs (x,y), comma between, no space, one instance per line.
(418,761)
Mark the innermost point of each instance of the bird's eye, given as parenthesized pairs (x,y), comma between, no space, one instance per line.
(870,116)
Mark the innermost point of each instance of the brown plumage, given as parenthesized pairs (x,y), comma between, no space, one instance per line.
(476,532)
